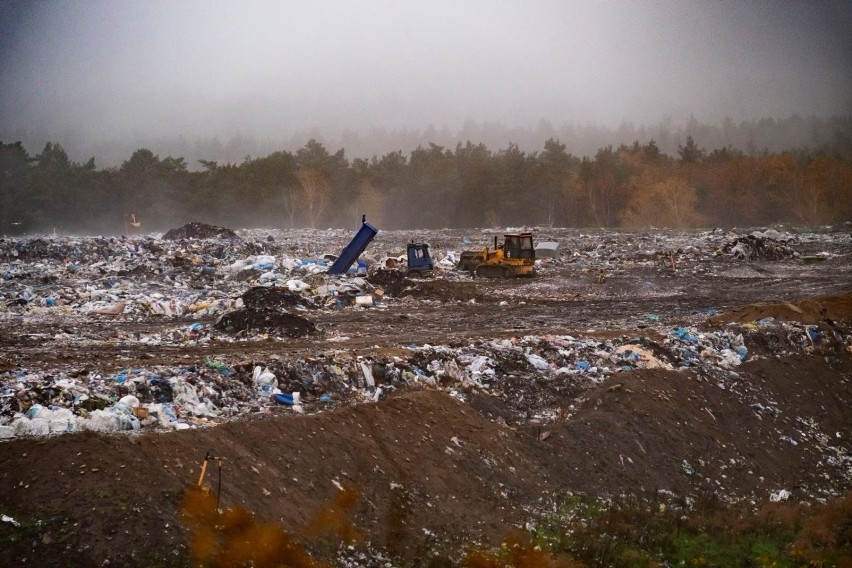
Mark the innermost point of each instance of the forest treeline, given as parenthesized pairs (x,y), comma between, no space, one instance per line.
(773,135)
(631,186)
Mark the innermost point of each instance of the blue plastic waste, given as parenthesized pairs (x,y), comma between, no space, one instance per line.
(169,411)
(325,398)
(282,398)
(685,335)
(583,365)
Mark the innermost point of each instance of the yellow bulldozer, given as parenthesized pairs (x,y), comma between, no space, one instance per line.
(514,257)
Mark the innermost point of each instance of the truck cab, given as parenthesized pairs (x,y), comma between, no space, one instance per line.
(420,262)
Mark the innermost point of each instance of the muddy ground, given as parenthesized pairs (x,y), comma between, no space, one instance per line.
(438,468)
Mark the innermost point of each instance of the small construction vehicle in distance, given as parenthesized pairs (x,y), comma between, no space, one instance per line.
(420,262)
(513,258)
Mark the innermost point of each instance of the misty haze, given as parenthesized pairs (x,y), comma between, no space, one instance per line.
(220,81)
(423,109)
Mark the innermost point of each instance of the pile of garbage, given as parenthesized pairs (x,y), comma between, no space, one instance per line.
(199,231)
(206,269)
(138,278)
(256,285)
(532,375)
(266,310)
(766,245)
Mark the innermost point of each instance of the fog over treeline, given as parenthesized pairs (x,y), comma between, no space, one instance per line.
(423,113)
(764,135)
(221,80)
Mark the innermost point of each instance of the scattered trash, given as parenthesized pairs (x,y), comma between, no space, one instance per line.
(258,289)
(768,245)
(199,231)
(778,496)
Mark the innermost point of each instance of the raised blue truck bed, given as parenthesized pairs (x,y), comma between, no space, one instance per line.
(354,249)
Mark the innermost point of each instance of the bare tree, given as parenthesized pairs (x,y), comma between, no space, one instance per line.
(316,194)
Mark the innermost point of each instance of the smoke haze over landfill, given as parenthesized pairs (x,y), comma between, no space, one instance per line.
(86,73)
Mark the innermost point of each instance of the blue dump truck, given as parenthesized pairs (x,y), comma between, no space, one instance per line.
(353,250)
(420,262)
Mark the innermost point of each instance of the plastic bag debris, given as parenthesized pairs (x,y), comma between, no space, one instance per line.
(193,280)
(778,496)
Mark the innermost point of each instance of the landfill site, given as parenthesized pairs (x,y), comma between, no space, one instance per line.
(160,393)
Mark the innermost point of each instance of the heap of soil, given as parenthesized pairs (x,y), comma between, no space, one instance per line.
(265,310)
(426,466)
(753,247)
(199,231)
(396,285)
(269,299)
(393,282)
(811,311)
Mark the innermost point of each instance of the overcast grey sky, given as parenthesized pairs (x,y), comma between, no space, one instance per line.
(108,68)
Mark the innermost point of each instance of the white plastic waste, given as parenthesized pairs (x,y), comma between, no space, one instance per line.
(264,380)
(129,401)
(538,362)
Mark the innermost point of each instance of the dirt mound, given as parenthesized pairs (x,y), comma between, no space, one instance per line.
(393,282)
(426,466)
(263,298)
(681,432)
(262,321)
(265,311)
(120,495)
(810,311)
(397,285)
(199,231)
(754,247)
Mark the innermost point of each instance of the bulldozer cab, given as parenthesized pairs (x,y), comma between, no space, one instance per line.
(518,246)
